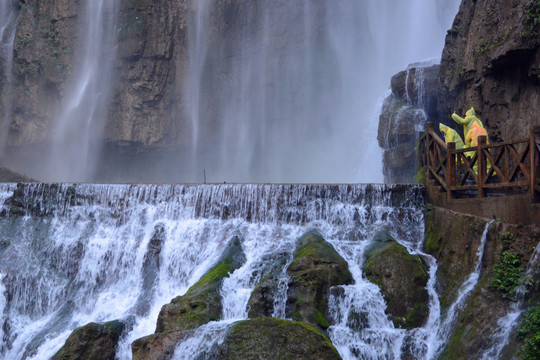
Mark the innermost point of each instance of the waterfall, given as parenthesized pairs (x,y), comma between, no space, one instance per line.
(76,253)
(508,323)
(82,119)
(8,27)
(446,326)
(285,92)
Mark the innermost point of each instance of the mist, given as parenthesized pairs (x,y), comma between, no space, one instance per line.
(273,91)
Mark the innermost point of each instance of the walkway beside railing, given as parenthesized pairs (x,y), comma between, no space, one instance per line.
(502,169)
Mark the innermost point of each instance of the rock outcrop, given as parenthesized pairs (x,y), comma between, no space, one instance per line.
(453,239)
(200,305)
(316,267)
(402,278)
(271,338)
(491,61)
(404,113)
(92,341)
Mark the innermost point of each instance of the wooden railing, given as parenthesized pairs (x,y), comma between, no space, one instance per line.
(510,167)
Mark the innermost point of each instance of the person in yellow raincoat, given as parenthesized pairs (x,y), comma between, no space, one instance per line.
(472,138)
(473,134)
(470,119)
(451,135)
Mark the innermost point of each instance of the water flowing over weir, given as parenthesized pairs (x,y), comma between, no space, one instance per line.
(73,254)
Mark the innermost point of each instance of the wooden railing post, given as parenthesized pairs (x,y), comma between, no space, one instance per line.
(534,143)
(429,140)
(450,175)
(481,160)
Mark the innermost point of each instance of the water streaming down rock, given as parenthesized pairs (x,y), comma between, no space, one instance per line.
(8,27)
(79,254)
(508,323)
(445,329)
(79,127)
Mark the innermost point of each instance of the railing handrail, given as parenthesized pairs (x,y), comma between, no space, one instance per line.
(514,163)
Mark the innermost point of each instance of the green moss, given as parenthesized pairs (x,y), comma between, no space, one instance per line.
(420,177)
(321,320)
(272,338)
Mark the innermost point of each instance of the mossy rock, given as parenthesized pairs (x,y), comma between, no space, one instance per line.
(261,301)
(453,239)
(202,303)
(402,279)
(271,338)
(315,269)
(92,341)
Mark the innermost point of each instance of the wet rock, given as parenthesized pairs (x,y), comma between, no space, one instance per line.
(403,116)
(202,302)
(261,301)
(271,338)
(200,305)
(402,279)
(150,269)
(158,346)
(316,267)
(94,341)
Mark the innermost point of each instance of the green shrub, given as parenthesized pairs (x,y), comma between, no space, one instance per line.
(529,332)
(507,274)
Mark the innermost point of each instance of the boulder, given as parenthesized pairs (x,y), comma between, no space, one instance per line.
(200,305)
(150,270)
(202,302)
(158,346)
(315,269)
(261,301)
(402,279)
(271,338)
(94,341)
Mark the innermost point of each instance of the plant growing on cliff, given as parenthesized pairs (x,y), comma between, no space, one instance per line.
(529,332)
(507,274)
(532,17)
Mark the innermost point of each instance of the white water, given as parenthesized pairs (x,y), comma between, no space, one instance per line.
(8,27)
(84,260)
(83,115)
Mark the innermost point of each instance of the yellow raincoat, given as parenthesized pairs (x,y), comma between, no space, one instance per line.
(470,119)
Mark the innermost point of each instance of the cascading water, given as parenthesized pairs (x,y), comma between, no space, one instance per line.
(79,254)
(82,119)
(445,328)
(8,27)
(285,91)
(508,323)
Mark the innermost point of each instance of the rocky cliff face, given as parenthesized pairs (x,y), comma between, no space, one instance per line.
(491,61)
(151,56)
